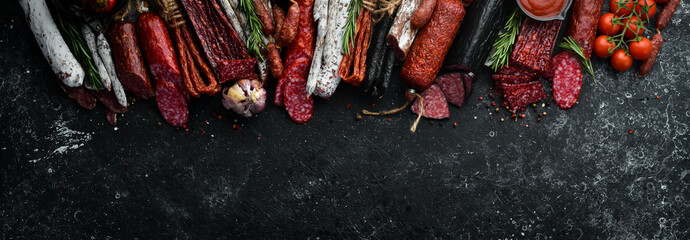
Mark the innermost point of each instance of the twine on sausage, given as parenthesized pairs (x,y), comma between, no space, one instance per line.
(381,8)
(170,12)
(397,110)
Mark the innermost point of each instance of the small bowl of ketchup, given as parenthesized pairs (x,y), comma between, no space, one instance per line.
(545,10)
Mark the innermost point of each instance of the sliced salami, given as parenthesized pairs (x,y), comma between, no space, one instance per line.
(567,82)
(453,87)
(298,103)
(548,75)
(435,104)
(521,94)
(171,103)
(109,100)
(298,67)
(467,80)
(79,94)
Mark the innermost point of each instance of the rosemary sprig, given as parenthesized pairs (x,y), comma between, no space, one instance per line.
(77,44)
(573,48)
(504,43)
(255,40)
(351,25)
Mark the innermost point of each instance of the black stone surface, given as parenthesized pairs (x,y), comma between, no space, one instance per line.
(576,174)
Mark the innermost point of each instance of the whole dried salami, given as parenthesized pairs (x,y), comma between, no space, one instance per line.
(453,87)
(567,82)
(435,104)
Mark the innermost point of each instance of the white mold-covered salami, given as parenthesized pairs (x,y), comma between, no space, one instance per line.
(233,18)
(106,56)
(90,38)
(401,35)
(321,17)
(328,80)
(52,45)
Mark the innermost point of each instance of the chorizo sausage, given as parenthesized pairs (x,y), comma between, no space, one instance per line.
(666,13)
(431,45)
(265,17)
(423,14)
(273,56)
(288,30)
(646,65)
(583,23)
(129,63)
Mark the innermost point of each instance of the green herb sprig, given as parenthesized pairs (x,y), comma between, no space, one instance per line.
(351,25)
(573,48)
(255,40)
(77,44)
(504,43)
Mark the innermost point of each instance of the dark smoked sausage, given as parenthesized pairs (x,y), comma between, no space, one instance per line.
(666,13)
(583,23)
(431,45)
(129,63)
(646,65)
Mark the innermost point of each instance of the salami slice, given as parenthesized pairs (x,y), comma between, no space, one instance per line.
(521,94)
(299,105)
(453,87)
(435,104)
(467,81)
(548,75)
(567,82)
(171,103)
(298,67)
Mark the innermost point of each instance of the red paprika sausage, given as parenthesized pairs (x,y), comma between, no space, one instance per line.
(288,30)
(647,64)
(128,61)
(431,45)
(423,14)
(265,17)
(171,94)
(666,13)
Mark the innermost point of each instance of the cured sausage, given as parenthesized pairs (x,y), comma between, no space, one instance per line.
(353,66)
(453,87)
(171,103)
(478,30)
(129,63)
(274,61)
(109,100)
(431,45)
(567,81)
(401,34)
(583,23)
(298,56)
(159,52)
(666,13)
(79,94)
(646,65)
(90,39)
(423,14)
(106,55)
(328,79)
(298,104)
(321,17)
(435,104)
(288,30)
(51,43)
(265,17)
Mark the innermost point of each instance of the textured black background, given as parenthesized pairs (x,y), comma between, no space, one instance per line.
(576,174)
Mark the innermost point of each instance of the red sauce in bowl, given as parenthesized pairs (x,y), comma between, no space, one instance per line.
(543,8)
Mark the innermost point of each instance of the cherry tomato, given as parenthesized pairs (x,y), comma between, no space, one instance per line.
(632,31)
(641,49)
(602,46)
(626,7)
(606,25)
(620,60)
(645,9)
